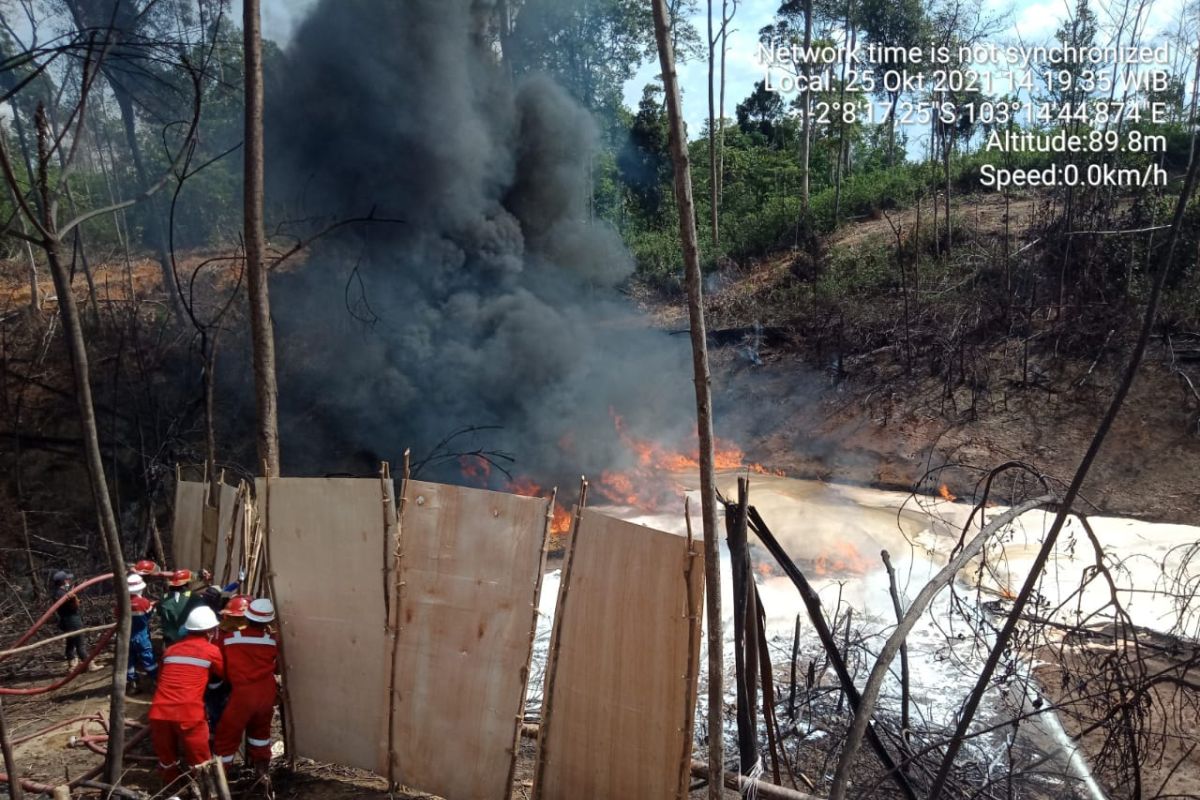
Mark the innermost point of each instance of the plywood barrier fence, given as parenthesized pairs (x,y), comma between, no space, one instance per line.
(207,537)
(327,540)
(408,641)
(469,577)
(620,691)
(187,529)
(446,719)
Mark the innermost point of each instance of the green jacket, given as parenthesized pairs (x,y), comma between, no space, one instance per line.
(173,611)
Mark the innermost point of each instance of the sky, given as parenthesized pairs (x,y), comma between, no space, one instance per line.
(1030,22)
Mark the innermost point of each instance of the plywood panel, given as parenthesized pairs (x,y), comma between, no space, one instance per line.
(618,710)
(471,567)
(327,545)
(187,527)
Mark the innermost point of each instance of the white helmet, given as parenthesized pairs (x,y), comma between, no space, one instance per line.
(136,584)
(201,619)
(261,610)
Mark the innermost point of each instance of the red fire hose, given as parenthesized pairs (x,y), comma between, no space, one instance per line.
(50,612)
(70,676)
(45,788)
(92,741)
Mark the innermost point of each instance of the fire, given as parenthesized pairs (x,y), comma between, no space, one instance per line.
(843,559)
(475,468)
(479,470)
(560,522)
(648,484)
(946,494)
(644,485)
(765,570)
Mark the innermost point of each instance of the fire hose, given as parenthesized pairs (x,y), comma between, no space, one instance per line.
(70,676)
(92,741)
(18,645)
(50,612)
(89,776)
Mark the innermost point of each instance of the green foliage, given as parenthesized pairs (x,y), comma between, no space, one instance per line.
(592,48)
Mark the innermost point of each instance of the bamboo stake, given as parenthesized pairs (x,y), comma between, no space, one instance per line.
(394,623)
(385,478)
(223,578)
(16,792)
(537,593)
(564,588)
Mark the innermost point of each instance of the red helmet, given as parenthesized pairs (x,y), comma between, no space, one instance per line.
(145,567)
(181,577)
(237,605)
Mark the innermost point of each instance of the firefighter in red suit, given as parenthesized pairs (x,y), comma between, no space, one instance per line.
(250,659)
(177,722)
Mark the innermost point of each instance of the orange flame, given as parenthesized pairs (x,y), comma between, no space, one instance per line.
(478,471)
(946,494)
(645,484)
(560,521)
(476,468)
(844,558)
(765,570)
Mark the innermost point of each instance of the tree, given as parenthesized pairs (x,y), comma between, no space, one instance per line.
(761,112)
(50,234)
(892,24)
(644,162)
(790,8)
(125,24)
(592,48)
(263,338)
(704,426)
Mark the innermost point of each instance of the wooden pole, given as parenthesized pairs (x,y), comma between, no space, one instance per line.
(905,725)
(739,564)
(704,426)
(519,722)
(288,726)
(744,785)
(15,791)
(385,478)
(795,655)
(221,784)
(397,587)
(692,673)
(564,588)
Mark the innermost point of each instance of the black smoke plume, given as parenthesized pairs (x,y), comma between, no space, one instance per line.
(494,302)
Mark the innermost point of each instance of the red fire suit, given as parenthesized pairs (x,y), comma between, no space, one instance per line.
(177,720)
(250,667)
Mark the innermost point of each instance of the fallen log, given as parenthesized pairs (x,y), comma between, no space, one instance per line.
(743,784)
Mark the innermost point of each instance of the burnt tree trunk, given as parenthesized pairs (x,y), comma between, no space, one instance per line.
(77,353)
(704,427)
